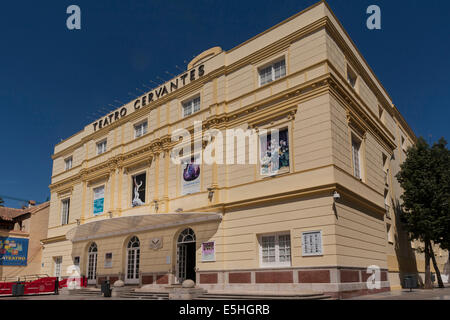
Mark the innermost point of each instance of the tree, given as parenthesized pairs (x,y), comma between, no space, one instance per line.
(1,202)
(442,156)
(426,215)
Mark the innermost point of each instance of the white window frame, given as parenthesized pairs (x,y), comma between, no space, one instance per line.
(68,163)
(140,129)
(276,263)
(271,66)
(65,214)
(58,266)
(311,254)
(103,149)
(191,105)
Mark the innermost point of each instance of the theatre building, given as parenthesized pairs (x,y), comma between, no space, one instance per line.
(312,214)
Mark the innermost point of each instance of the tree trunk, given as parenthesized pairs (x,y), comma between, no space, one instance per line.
(436,268)
(428,284)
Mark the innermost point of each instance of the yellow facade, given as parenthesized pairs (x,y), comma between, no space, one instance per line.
(320,109)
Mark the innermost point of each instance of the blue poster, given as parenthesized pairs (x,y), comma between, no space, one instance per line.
(13,251)
(98,206)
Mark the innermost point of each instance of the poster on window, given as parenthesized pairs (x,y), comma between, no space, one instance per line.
(208,251)
(138,192)
(99,200)
(13,251)
(108,260)
(190,175)
(274,155)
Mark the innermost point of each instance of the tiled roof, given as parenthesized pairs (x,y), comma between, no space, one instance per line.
(10,213)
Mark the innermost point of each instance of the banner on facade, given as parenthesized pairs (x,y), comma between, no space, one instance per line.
(190,175)
(99,199)
(13,251)
(209,251)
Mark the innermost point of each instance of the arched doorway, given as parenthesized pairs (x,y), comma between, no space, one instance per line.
(186,255)
(133,257)
(92,263)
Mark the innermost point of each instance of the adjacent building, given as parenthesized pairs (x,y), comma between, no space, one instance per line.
(316,210)
(21,232)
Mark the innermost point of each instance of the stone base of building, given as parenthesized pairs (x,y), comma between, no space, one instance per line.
(337,282)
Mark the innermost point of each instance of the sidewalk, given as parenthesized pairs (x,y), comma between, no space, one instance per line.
(405,294)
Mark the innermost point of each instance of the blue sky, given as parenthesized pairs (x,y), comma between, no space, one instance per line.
(53,80)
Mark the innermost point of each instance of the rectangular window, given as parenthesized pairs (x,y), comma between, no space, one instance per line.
(351,77)
(275,250)
(101,147)
(191,106)
(386,203)
(58,262)
(274,152)
(272,72)
(312,243)
(65,206)
(68,163)
(389,233)
(99,200)
(404,147)
(76,261)
(140,129)
(356,158)
(138,193)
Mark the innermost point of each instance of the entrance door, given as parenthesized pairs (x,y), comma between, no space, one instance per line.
(92,264)
(133,258)
(186,251)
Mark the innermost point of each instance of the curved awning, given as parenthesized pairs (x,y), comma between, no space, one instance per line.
(131,224)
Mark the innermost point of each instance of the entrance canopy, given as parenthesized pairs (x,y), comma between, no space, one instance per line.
(132,224)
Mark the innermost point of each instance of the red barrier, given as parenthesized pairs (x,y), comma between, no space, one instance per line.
(44,285)
(6,288)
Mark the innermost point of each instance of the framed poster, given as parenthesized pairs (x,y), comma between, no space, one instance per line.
(108,260)
(209,251)
(274,156)
(190,175)
(13,251)
(99,200)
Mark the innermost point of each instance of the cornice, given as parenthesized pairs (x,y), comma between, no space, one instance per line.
(283,104)
(54,239)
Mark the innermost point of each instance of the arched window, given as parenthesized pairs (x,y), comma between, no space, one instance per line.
(134,243)
(93,247)
(92,263)
(133,259)
(186,236)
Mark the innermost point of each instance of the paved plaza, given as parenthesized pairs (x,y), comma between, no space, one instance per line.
(406,294)
(416,294)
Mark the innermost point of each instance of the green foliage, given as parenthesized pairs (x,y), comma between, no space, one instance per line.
(1,202)
(425,179)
